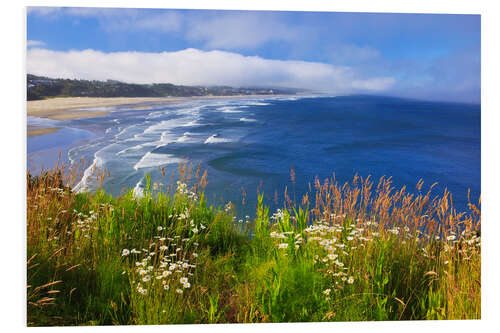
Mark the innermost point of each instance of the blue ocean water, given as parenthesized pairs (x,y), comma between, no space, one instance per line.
(246,144)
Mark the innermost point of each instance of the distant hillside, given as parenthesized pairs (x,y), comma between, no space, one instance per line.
(41,87)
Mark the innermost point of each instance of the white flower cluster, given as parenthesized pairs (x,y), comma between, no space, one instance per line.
(166,263)
(183,189)
(85,223)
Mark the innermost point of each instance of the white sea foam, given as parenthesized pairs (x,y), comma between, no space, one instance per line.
(124,130)
(158,127)
(229,109)
(138,189)
(164,125)
(137,147)
(166,137)
(248,120)
(82,184)
(216,139)
(256,103)
(191,124)
(186,137)
(153,159)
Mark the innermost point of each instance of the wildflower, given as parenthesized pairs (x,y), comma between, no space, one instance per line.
(166,273)
(146,278)
(183,280)
(195,230)
(125,252)
(450,237)
(187,285)
(324,242)
(327,291)
(179,291)
(283,245)
(160,228)
(202,226)
(332,256)
(166,287)
(185,265)
(350,280)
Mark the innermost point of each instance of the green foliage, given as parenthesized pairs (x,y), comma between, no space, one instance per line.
(41,87)
(293,268)
(262,219)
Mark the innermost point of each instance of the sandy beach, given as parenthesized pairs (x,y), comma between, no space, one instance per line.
(65,108)
(37,130)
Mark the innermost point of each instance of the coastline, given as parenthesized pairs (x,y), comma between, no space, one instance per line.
(39,130)
(66,108)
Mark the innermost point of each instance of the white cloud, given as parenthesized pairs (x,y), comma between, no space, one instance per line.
(118,19)
(375,84)
(31,43)
(241,30)
(196,67)
(217,30)
(43,11)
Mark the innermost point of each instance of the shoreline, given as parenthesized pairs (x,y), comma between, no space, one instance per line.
(40,130)
(67,108)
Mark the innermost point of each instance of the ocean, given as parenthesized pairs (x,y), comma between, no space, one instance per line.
(246,144)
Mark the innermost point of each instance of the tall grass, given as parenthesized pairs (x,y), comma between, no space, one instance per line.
(358,251)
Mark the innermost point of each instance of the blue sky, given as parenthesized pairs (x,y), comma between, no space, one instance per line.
(434,57)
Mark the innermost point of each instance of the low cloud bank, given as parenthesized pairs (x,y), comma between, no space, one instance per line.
(196,67)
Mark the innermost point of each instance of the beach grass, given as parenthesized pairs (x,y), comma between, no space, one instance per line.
(358,251)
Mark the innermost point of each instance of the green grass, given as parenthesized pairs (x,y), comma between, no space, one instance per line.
(353,256)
